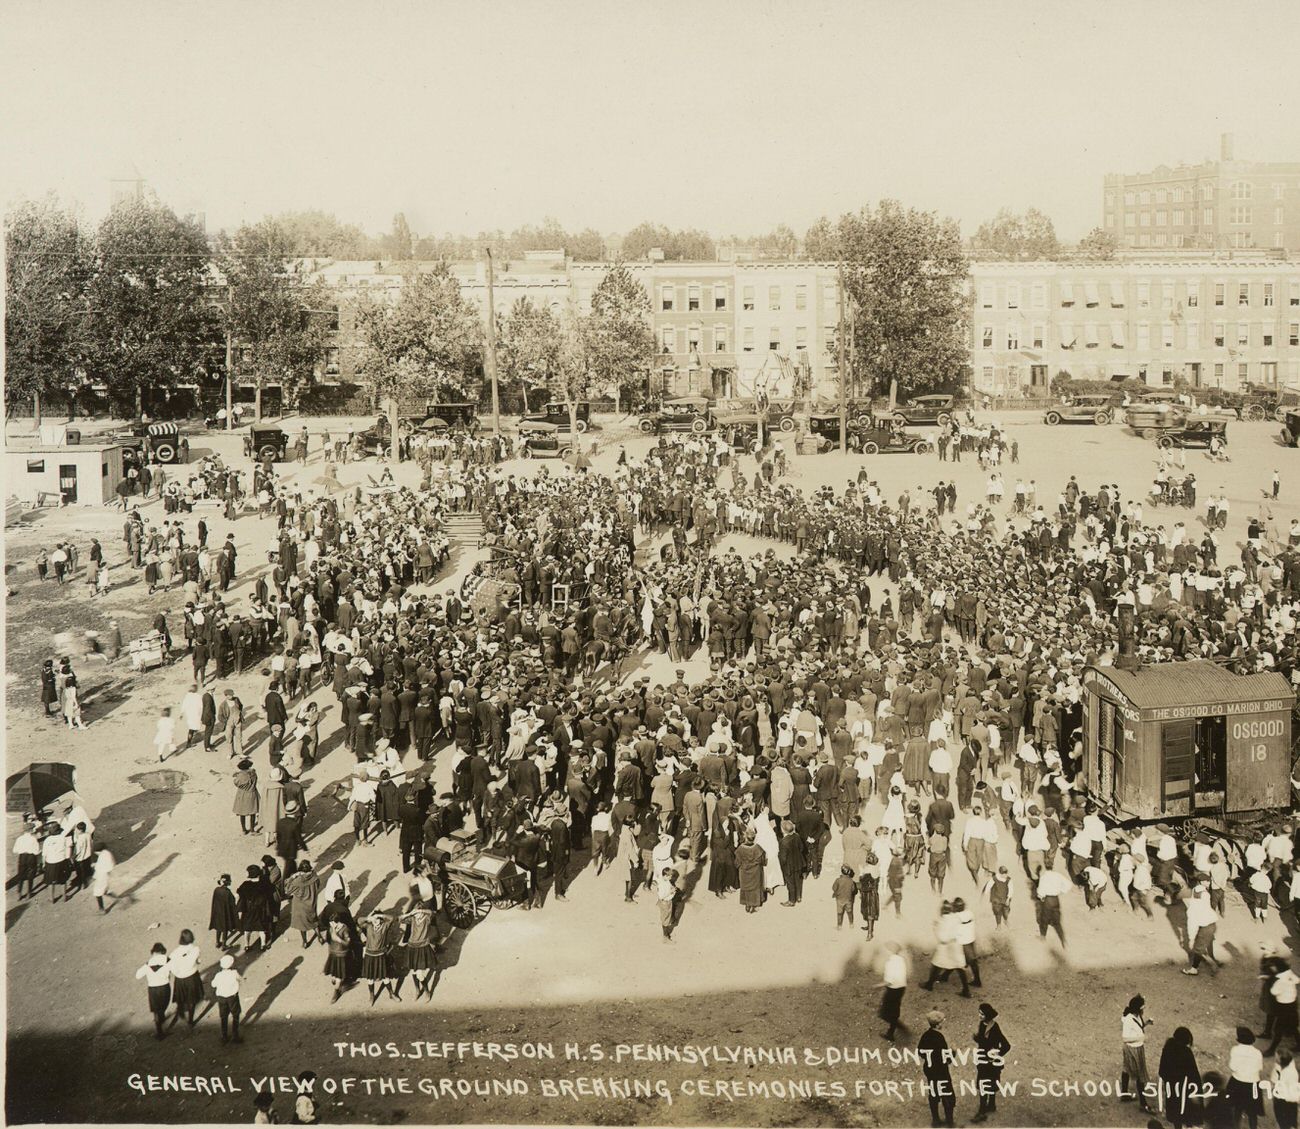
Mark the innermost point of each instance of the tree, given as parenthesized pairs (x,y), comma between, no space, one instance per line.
(1098,244)
(528,343)
(821,241)
(151,324)
(274,315)
(398,245)
(1012,236)
(677,246)
(47,268)
(320,234)
(427,343)
(618,342)
(904,273)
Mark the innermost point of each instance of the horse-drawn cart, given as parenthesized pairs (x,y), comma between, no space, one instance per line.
(477,879)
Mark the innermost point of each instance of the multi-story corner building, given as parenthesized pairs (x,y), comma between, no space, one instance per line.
(1214,205)
(1214,323)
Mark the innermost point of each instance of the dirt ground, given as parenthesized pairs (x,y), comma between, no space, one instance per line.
(589,971)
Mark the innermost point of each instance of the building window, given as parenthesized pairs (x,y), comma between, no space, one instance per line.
(800,338)
(1242,190)
(1295,292)
(1110,219)
(1117,335)
(749,339)
(1220,293)
(1243,373)
(1207,192)
(773,297)
(1116,295)
(693,298)
(669,339)
(1144,241)
(332,320)
(988,295)
(1167,294)
(331,362)
(1067,294)
(986,337)
(1039,332)
(1239,214)
(1090,340)
(1243,293)
(747,300)
(1178,217)
(1160,239)
(1178,195)
(1130,219)
(35,466)
(1242,239)
(1068,337)
(801,297)
(1243,333)
(988,376)
(1145,198)
(1220,334)
(1144,220)
(1167,335)
(1268,337)
(719,338)
(1144,295)
(1038,296)
(1110,199)
(1277,216)
(666,298)
(693,339)
(1293,333)
(1143,335)
(1207,217)
(1166,376)
(1218,375)
(719,297)
(774,339)
(1268,293)
(1013,296)
(1162,218)
(1129,198)
(1193,335)
(1013,337)
(1161,196)
(1279,191)
(1013,376)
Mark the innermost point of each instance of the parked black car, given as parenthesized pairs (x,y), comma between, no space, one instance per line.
(1193,433)
(557,413)
(685,413)
(933,409)
(263,442)
(150,442)
(1291,429)
(869,436)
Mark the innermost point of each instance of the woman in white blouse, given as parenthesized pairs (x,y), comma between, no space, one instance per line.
(1245,1067)
(188,986)
(156,974)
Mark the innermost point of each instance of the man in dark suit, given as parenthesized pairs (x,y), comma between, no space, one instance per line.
(528,855)
(410,821)
(274,708)
(479,775)
(289,839)
(559,848)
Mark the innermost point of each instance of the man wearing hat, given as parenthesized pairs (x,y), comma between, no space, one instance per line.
(936,1061)
(225,986)
(289,839)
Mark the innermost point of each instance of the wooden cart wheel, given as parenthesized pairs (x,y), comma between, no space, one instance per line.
(461,905)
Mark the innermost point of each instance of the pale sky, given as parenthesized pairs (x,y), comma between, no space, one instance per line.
(730,117)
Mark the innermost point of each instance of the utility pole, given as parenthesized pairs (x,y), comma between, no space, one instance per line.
(492,348)
(230,358)
(844,377)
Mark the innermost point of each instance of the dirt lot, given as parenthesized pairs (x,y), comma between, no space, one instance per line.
(588,971)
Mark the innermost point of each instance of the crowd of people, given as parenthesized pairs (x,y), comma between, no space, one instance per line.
(900,691)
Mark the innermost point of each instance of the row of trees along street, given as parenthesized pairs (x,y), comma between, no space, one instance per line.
(145,306)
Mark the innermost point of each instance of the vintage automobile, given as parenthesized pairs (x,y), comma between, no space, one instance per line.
(870,437)
(1081,409)
(263,442)
(684,413)
(932,409)
(1193,432)
(1291,429)
(780,415)
(557,413)
(544,441)
(1149,418)
(150,442)
(462,414)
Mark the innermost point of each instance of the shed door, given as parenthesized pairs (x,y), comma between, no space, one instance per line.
(68,483)
(1178,764)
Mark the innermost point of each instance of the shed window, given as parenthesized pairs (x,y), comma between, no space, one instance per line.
(35,466)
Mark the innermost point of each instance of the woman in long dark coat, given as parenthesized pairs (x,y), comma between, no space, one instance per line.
(246,801)
(49,687)
(993,1048)
(1180,1080)
(254,896)
(303,888)
(750,859)
(224,919)
(723,840)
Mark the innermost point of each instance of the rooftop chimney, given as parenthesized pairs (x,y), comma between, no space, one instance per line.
(1225,147)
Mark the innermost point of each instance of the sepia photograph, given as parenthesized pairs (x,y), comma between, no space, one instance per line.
(698,564)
